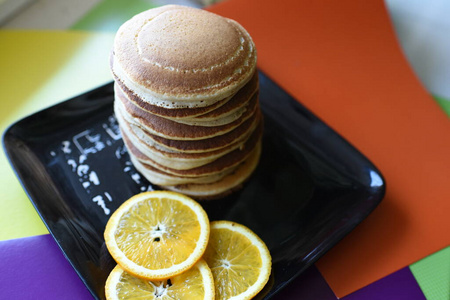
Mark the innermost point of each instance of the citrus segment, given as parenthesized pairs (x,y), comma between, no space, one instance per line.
(157,235)
(196,283)
(239,260)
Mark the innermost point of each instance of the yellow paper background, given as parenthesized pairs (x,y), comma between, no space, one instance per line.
(39,69)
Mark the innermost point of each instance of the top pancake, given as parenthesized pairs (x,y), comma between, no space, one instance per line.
(181,57)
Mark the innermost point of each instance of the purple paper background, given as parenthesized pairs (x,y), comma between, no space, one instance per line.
(35,268)
(400,285)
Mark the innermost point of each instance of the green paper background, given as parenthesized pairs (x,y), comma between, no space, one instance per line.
(433,275)
(108,15)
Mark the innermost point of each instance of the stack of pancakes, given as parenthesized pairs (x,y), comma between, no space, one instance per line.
(186,99)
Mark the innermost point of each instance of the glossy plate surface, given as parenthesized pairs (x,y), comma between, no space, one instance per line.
(310,189)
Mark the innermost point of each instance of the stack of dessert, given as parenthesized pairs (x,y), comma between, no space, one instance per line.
(186,99)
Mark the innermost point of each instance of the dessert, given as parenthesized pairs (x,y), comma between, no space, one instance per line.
(186,99)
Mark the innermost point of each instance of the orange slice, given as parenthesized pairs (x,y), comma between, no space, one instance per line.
(239,260)
(157,235)
(194,284)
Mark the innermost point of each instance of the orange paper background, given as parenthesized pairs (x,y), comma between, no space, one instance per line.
(341,59)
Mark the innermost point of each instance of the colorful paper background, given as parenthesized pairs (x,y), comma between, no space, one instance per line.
(38,69)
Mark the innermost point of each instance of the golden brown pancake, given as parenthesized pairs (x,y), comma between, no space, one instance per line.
(177,131)
(223,187)
(178,161)
(169,113)
(230,111)
(237,135)
(174,160)
(238,100)
(186,99)
(218,109)
(183,55)
(159,177)
(221,164)
(228,115)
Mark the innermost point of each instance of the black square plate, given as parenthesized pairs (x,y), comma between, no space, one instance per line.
(310,189)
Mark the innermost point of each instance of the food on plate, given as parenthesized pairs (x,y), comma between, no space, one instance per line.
(157,235)
(239,260)
(187,100)
(194,284)
(165,247)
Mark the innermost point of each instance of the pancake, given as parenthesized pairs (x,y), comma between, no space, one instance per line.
(178,161)
(219,165)
(156,176)
(187,100)
(221,108)
(174,113)
(175,160)
(236,102)
(227,113)
(197,146)
(221,188)
(182,57)
(177,131)
(190,146)
(213,122)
